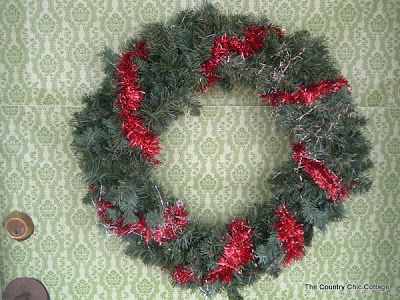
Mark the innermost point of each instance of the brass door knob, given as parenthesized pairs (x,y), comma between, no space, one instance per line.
(18,226)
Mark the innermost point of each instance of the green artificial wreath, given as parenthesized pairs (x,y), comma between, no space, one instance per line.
(155,80)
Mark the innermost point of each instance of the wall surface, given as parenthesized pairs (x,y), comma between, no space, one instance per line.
(48,61)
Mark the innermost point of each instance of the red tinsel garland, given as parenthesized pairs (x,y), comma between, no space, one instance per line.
(252,42)
(237,252)
(290,233)
(306,93)
(183,274)
(175,219)
(129,100)
(321,175)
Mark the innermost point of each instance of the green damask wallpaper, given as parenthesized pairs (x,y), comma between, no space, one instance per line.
(48,61)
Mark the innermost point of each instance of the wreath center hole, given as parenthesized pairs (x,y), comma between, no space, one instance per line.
(219,163)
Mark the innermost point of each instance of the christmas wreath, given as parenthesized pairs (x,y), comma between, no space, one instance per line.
(156,79)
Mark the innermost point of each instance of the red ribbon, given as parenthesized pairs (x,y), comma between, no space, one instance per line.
(306,93)
(129,100)
(175,219)
(321,175)
(237,252)
(248,45)
(290,233)
(183,274)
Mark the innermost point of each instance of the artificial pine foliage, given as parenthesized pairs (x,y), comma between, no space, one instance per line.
(154,81)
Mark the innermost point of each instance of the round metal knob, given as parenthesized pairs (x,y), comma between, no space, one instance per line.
(26,288)
(18,226)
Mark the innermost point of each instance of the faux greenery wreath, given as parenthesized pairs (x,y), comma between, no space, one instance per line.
(116,139)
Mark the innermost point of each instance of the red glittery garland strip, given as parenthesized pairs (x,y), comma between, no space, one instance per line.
(252,42)
(290,233)
(306,93)
(237,252)
(321,175)
(175,219)
(183,274)
(129,100)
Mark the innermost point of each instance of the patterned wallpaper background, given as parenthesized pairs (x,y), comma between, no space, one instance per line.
(216,163)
